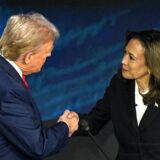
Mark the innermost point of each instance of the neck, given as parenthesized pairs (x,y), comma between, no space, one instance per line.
(143,85)
(22,67)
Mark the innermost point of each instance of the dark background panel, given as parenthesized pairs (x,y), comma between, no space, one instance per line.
(84,148)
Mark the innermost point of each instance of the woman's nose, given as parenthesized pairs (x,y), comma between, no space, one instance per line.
(124,60)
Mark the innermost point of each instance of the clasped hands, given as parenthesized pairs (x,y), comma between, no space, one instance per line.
(71,119)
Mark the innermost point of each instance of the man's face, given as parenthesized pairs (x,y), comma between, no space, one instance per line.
(39,58)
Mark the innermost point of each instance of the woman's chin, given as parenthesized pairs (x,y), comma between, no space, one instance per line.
(126,75)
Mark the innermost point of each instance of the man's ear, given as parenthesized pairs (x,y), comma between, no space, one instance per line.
(28,57)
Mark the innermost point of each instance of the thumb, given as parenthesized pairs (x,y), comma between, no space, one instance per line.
(66,112)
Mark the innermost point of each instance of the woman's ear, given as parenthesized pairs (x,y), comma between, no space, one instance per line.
(28,57)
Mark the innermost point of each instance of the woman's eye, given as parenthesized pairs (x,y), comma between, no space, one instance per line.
(131,57)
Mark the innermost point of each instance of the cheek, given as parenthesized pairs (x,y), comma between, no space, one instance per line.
(39,62)
(42,61)
(133,72)
(140,72)
(136,67)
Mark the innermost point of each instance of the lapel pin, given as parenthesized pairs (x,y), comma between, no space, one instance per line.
(156,104)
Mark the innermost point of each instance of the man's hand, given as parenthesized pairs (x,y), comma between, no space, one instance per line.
(71,119)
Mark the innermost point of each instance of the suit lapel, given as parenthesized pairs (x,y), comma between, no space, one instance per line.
(129,112)
(129,107)
(7,67)
(150,114)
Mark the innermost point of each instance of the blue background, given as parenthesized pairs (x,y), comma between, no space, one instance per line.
(89,49)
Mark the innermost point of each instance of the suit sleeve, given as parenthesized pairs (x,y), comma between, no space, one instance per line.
(100,113)
(21,125)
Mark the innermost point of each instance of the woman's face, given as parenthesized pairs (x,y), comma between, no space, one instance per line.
(133,62)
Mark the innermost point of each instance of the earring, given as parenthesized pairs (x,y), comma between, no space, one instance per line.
(149,72)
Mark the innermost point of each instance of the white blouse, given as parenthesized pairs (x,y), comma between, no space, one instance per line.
(140,106)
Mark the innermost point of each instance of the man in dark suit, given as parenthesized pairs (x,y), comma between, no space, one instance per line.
(26,42)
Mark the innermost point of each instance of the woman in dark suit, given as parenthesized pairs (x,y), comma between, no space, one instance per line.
(132,100)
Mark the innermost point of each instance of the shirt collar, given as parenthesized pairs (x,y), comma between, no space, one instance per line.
(15,66)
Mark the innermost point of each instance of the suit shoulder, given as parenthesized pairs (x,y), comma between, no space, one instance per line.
(118,80)
(7,84)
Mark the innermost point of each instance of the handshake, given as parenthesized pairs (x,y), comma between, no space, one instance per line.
(71,119)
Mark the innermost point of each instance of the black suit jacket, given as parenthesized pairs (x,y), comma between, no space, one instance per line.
(22,136)
(118,104)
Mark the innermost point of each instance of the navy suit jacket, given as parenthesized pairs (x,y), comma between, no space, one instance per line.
(118,104)
(22,136)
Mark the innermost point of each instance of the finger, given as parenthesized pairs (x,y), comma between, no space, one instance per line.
(71,115)
(75,114)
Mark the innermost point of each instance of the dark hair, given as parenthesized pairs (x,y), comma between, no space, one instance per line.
(150,40)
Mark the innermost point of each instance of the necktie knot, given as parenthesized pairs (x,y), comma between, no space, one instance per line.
(24,81)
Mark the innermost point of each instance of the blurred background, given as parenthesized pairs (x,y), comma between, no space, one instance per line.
(85,57)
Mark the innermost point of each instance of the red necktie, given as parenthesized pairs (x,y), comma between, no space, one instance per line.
(25,82)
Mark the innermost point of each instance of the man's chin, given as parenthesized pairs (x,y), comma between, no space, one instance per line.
(37,71)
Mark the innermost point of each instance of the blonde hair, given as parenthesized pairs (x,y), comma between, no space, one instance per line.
(26,33)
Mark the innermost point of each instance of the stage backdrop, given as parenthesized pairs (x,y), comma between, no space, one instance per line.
(89,49)
(86,55)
